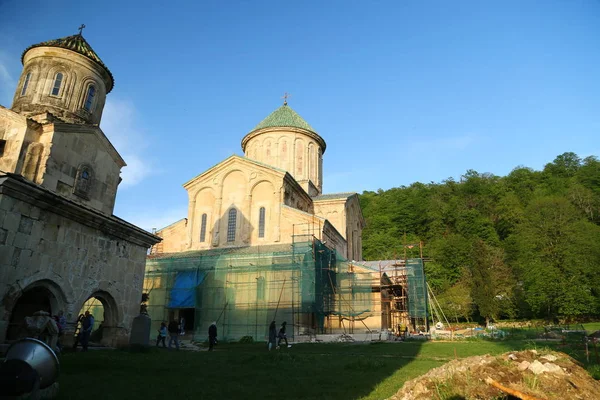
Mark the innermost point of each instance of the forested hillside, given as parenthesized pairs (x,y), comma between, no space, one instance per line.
(526,245)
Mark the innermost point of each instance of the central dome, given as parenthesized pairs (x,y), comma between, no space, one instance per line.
(286,141)
(284,116)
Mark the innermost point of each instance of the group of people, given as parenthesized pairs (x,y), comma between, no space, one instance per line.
(279,336)
(173,330)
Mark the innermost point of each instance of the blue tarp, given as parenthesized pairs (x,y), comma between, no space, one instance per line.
(183,294)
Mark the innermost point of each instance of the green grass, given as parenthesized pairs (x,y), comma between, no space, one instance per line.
(591,327)
(246,371)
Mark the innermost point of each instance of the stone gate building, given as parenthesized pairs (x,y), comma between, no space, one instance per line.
(60,244)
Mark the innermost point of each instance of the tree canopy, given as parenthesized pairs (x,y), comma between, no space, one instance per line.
(523,245)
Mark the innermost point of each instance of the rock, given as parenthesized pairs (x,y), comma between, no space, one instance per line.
(549,357)
(523,365)
(513,357)
(553,368)
(537,367)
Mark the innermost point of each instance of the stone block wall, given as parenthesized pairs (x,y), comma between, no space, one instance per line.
(73,252)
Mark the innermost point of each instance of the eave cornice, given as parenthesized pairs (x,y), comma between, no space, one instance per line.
(316,137)
(19,188)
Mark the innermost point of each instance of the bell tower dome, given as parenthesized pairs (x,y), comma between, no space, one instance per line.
(64,77)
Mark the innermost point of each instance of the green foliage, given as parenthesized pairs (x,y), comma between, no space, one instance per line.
(246,339)
(524,245)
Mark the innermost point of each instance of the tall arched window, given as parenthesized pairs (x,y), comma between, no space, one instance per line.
(261,222)
(203,228)
(231,221)
(83,181)
(89,99)
(311,163)
(57,82)
(25,84)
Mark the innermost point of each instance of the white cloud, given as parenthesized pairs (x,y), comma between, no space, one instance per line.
(121,126)
(7,82)
(155,218)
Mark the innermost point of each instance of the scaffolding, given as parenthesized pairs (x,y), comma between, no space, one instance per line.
(403,293)
(243,289)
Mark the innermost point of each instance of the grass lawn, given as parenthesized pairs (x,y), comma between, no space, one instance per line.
(248,371)
(592,327)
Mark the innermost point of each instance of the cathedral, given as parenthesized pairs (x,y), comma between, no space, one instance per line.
(262,240)
(269,196)
(61,247)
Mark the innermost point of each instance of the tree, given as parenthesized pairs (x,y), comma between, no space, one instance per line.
(491,282)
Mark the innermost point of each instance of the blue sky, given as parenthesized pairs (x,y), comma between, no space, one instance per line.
(401,91)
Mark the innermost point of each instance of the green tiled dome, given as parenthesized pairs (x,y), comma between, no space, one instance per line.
(284,116)
(77,44)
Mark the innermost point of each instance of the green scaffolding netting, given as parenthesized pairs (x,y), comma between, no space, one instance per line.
(417,289)
(244,289)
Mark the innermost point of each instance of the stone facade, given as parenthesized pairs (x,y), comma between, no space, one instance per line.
(54,155)
(60,245)
(73,252)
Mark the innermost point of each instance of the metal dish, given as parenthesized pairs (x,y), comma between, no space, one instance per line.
(39,355)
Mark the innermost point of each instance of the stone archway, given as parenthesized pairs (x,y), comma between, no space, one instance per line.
(43,295)
(109,330)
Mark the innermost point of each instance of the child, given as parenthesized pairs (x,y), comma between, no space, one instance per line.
(162,334)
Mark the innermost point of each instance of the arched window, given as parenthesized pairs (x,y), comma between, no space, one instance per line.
(311,163)
(203,228)
(57,82)
(231,225)
(261,222)
(25,84)
(83,181)
(89,99)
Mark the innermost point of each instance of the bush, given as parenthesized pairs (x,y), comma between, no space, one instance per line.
(247,339)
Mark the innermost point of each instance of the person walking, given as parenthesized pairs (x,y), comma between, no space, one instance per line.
(173,334)
(212,335)
(87,325)
(272,334)
(61,323)
(162,335)
(182,326)
(282,335)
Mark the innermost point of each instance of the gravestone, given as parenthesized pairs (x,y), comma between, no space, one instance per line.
(140,331)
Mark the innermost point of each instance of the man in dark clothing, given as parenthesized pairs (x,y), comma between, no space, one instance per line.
(173,334)
(282,335)
(87,324)
(212,336)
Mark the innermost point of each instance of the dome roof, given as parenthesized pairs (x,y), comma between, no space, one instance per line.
(284,116)
(79,45)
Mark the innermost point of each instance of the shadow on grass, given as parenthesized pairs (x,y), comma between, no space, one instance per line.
(245,371)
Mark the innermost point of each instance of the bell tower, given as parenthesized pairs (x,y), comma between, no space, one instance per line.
(64,77)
